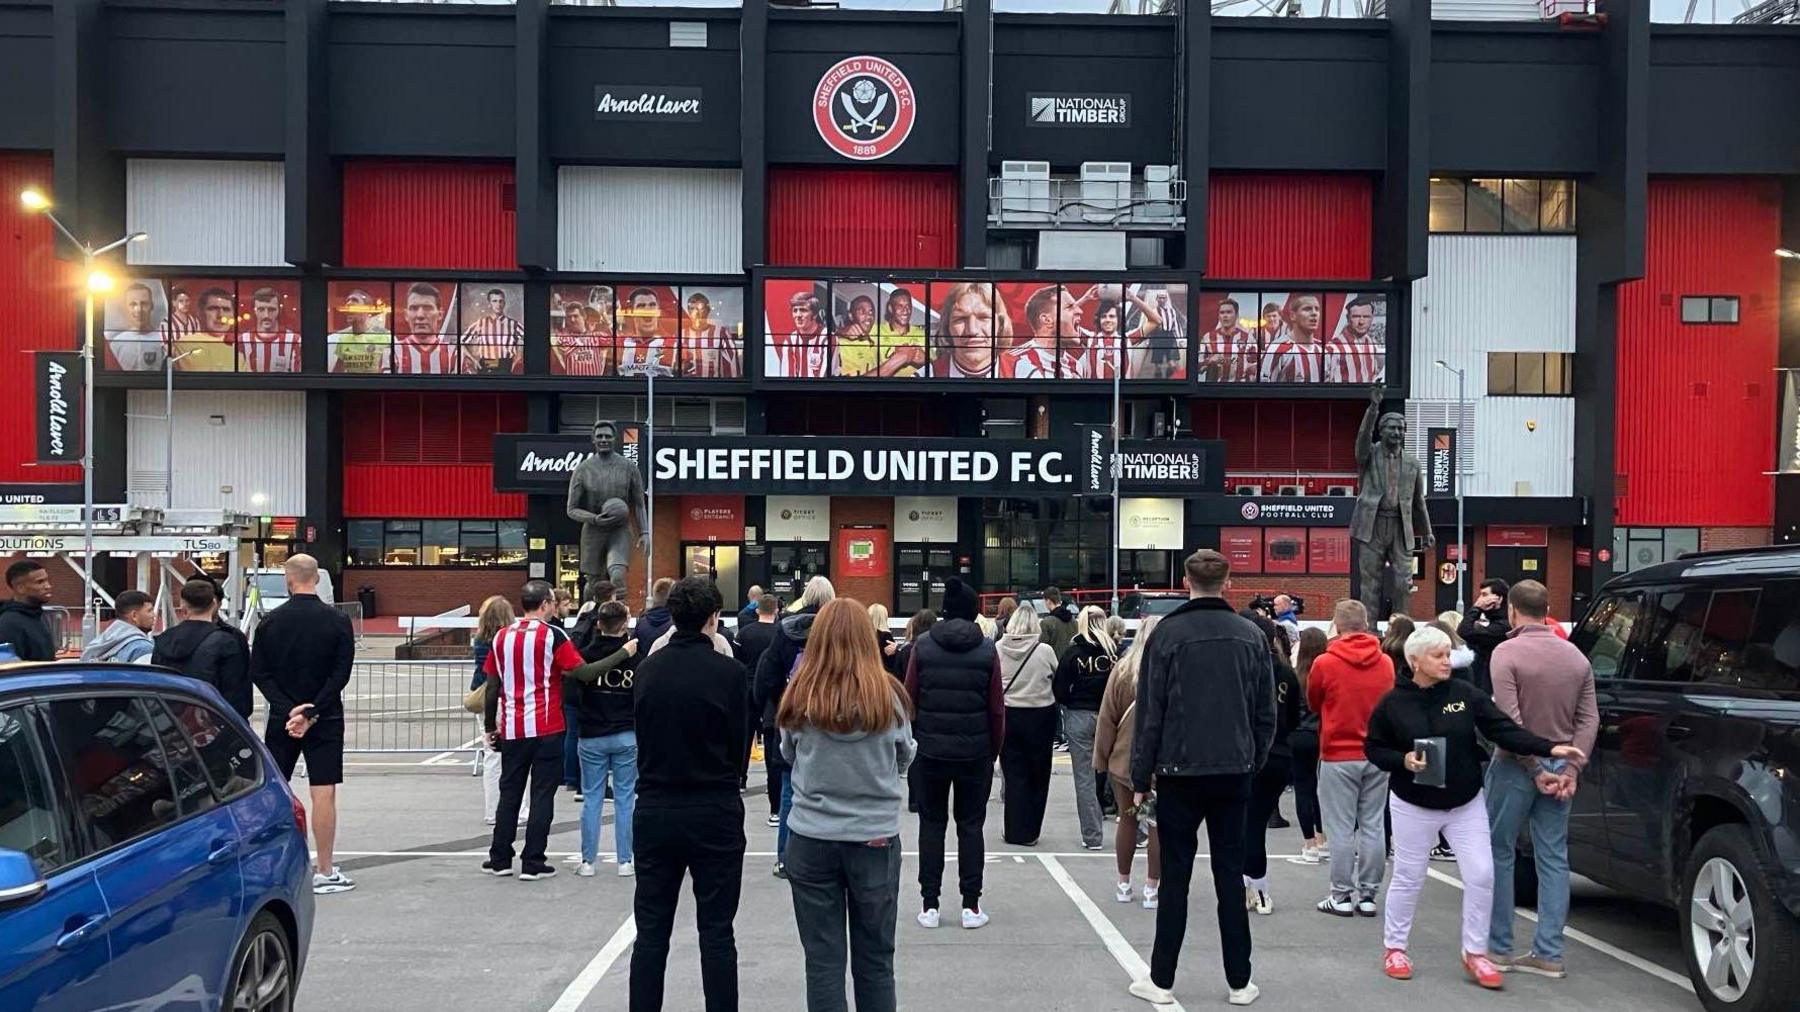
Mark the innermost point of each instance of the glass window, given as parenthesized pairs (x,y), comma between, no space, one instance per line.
(1447,205)
(363,543)
(1605,634)
(1695,309)
(1556,205)
(1557,374)
(1521,209)
(439,543)
(192,790)
(512,539)
(1675,637)
(1724,310)
(1529,374)
(402,546)
(1483,213)
(1502,373)
(480,543)
(114,764)
(29,822)
(1722,639)
(1771,659)
(228,757)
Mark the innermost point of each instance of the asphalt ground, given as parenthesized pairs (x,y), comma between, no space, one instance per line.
(424,930)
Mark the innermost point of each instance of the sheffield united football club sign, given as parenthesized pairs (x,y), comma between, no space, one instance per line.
(864,108)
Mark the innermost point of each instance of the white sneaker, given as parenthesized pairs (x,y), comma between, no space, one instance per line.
(1150,893)
(1124,893)
(489,820)
(928,918)
(1261,903)
(1249,897)
(973,919)
(774,821)
(586,870)
(572,859)
(336,882)
(1244,995)
(626,870)
(1151,993)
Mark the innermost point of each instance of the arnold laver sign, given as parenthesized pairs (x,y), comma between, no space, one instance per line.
(1085,110)
(58,406)
(1195,466)
(647,102)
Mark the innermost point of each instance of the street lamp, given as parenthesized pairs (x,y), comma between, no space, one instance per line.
(98,282)
(1784,252)
(1462,546)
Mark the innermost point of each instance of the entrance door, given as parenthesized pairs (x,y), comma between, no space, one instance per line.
(568,569)
(919,575)
(793,563)
(1515,564)
(716,562)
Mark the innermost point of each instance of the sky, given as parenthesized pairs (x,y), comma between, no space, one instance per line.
(1660,10)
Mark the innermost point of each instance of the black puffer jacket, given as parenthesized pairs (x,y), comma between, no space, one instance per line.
(954,678)
(1206,696)
(213,652)
(773,670)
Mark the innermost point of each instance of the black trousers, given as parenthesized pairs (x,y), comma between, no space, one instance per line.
(933,781)
(1182,804)
(773,767)
(1306,783)
(1025,771)
(537,760)
(1265,797)
(699,837)
(835,883)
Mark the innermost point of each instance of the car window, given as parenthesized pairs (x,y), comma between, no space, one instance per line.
(1722,639)
(1675,635)
(193,791)
(1605,634)
(229,758)
(1771,658)
(28,819)
(114,765)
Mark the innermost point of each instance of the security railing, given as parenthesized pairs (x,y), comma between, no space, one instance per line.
(408,706)
(1086,203)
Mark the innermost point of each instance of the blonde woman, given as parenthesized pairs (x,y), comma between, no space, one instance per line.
(884,637)
(1079,686)
(1112,756)
(496,614)
(817,594)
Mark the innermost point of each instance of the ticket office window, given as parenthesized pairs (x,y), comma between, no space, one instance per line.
(794,563)
(919,575)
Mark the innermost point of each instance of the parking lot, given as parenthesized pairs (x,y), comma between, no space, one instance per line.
(425,930)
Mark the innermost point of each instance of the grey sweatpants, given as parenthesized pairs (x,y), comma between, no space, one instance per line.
(1078,728)
(1352,799)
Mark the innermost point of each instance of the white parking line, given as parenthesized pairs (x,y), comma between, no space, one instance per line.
(1121,950)
(1632,960)
(589,978)
(991,857)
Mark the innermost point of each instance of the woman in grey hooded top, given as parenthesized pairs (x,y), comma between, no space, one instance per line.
(1027,665)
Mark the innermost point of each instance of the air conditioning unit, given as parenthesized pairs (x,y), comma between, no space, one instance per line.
(1290,490)
(1159,192)
(1025,191)
(1345,491)
(1105,190)
(1246,490)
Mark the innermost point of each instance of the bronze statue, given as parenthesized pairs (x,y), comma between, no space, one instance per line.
(1390,510)
(606,494)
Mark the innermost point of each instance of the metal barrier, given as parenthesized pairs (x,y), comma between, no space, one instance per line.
(409,706)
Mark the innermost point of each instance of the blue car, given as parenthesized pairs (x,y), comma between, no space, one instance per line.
(151,855)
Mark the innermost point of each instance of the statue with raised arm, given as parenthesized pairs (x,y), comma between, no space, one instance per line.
(606,495)
(1390,509)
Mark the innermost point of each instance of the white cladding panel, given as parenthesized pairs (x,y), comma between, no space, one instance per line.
(1506,441)
(201,213)
(1489,293)
(252,443)
(686,221)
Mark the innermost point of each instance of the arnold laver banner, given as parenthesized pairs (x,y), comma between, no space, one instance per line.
(1087,110)
(1195,466)
(656,102)
(59,382)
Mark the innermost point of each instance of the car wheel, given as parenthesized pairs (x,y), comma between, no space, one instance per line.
(1525,880)
(1741,942)
(262,974)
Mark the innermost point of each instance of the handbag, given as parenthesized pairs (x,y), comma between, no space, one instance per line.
(475,700)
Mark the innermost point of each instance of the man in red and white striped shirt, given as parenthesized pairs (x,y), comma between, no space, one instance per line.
(268,348)
(1295,357)
(421,348)
(711,349)
(524,720)
(1353,355)
(804,351)
(496,342)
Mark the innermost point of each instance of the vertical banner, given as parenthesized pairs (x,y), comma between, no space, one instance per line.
(59,383)
(1440,476)
(1789,460)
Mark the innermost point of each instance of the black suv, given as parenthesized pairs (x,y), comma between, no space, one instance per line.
(1692,798)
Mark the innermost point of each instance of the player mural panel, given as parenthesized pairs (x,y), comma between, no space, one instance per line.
(493,335)
(204,324)
(1293,337)
(636,328)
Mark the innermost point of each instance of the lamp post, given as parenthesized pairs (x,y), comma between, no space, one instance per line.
(97,280)
(1118,422)
(1462,547)
(1786,254)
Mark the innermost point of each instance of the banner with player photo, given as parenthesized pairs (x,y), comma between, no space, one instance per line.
(635,328)
(425,328)
(1300,337)
(204,324)
(963,329)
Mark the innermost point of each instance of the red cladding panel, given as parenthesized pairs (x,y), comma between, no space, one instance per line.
(1300,227)
(1696,414)
(427,455)
(1281,437)
(443,215)
(861,218)
(41,312)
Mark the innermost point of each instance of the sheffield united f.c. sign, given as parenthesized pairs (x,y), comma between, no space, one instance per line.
(864,108)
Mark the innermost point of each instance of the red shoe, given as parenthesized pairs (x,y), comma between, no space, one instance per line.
(1482,971)
(1397,964)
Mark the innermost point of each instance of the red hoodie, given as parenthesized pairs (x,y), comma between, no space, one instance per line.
(1345,683)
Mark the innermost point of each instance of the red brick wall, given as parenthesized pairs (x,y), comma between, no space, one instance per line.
(1714,539)
(403,590)
(848,511)
(665,553)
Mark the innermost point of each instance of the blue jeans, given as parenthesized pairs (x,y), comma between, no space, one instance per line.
(614,754)
(787,805)
(1513,801)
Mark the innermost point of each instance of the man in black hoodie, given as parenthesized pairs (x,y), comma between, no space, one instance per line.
(22,618)
(1484,628)
(203,647)
(655,621)
(691,719)
(1204,725)
(753,640)
(953,678)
